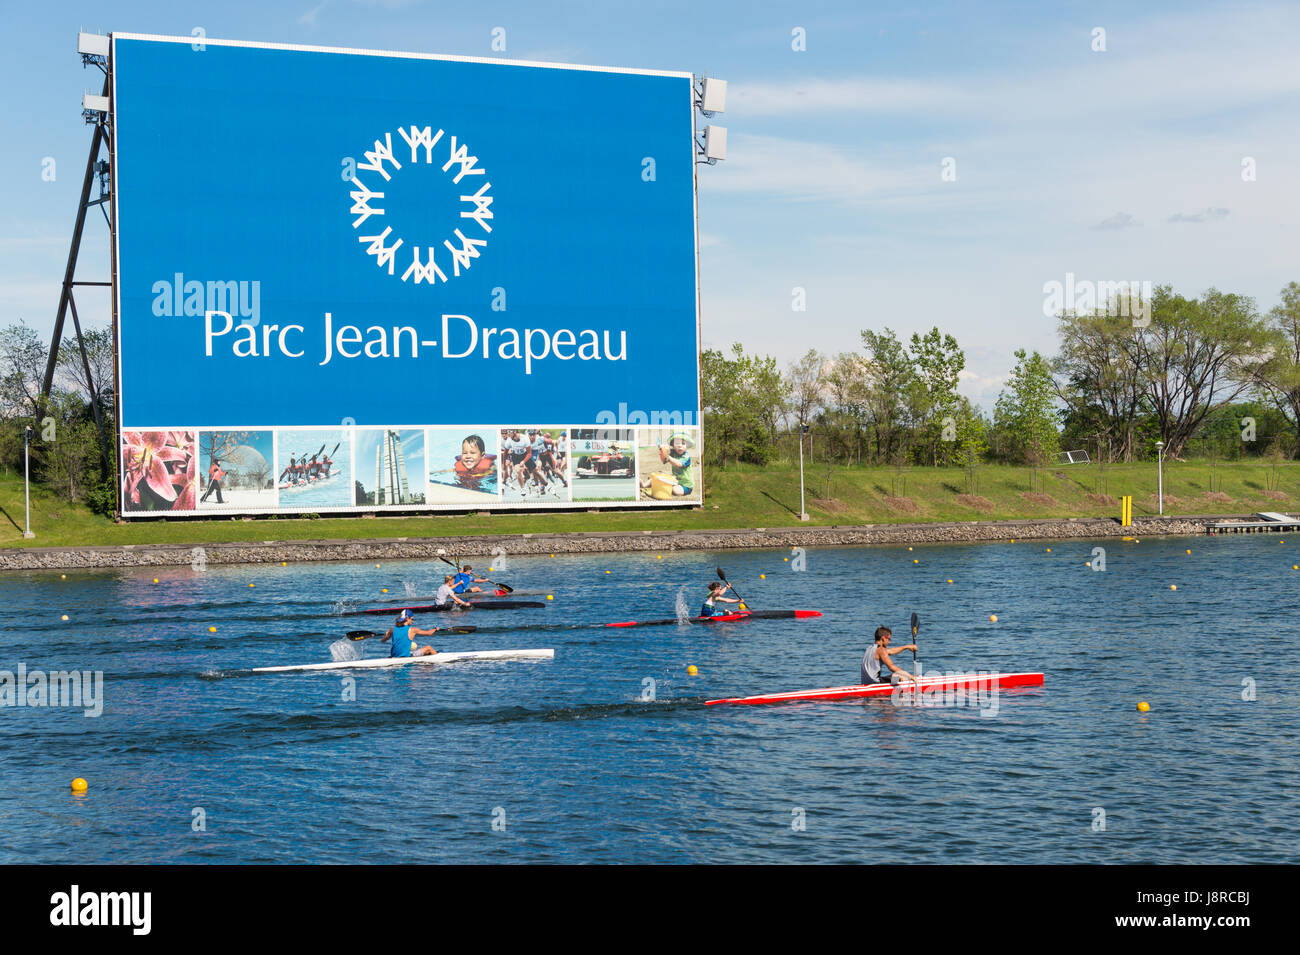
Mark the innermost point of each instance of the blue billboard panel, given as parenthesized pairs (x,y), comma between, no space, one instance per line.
(337,240)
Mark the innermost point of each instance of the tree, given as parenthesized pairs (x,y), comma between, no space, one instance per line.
(1279,376)
(892,372)
(807,385)
(845,416)
(98,343)
(1025,412)
(770,391)
(939,362)
(737,395)
(1099,383)
(23,356)
(1197,356)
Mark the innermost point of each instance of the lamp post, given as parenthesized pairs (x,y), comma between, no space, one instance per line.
(803,510)
(1160,476)
(27,491)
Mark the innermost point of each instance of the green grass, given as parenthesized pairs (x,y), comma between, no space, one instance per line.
(739,496)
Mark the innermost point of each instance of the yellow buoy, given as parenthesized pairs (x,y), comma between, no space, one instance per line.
(1173,586)
(550,596)
(63,576)
(909,548)
(762,576)
(65,616)
(1144,706)
(155,580)
(1295,566)
(79,785)
(1013,540)
(1087,563)
(490,569)
(915,561)
(284,563)
(385,590)
(1189,551)
(552,555)
(250,585)
(376,566)
(212,629)
(692,669)
(993,618)
(1049,550)
(786,559)
(607,572)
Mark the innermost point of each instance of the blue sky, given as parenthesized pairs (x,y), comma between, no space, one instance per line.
(1116,165)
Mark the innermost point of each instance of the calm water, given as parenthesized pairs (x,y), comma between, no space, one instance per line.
(580,769)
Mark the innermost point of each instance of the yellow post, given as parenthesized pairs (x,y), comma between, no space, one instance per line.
(1126,510)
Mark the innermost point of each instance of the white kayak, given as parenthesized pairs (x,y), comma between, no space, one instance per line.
(439,658)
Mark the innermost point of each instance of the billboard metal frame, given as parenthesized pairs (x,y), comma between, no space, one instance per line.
(499,506)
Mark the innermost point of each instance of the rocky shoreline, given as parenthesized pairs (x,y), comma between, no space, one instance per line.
(482,547)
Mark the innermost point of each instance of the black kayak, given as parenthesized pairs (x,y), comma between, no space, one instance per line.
(723,618)
(434,608)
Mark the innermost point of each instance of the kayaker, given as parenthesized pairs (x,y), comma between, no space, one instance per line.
(464,581)
(880,658)
(716,590)
(446,595)
(403,634)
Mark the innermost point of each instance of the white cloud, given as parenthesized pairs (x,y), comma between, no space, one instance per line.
(1206,215)
(848,95)
(789,169)
(309,18)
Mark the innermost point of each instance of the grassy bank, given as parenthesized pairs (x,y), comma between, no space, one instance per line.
(739,496)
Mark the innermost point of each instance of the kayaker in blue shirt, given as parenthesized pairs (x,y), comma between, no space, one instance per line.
(715,597)
(466,580)
(403,634)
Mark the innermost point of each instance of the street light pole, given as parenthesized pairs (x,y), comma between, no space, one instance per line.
(803,510)
(1160,476)
(27,491)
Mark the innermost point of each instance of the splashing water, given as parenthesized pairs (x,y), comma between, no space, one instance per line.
(683,609)
(341,650)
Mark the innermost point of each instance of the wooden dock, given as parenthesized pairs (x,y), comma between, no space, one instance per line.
(1270,522)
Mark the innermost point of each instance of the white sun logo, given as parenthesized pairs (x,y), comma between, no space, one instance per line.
(477,206)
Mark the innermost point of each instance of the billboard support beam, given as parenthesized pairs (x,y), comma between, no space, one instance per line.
(66,300)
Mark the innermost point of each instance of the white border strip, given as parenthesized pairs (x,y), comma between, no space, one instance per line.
(395,54)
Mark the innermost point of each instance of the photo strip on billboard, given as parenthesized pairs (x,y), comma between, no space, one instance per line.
(421,254)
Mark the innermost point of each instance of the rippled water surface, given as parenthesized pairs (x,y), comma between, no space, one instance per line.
(572,765)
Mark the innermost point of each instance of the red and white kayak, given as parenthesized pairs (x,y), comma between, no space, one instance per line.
(724,618)
(972,683)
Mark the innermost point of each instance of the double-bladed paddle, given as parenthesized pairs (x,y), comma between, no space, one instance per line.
(723,578)
(506,587)
(916,627)
(367,634)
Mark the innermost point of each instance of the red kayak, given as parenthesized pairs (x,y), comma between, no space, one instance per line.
(723,618)
(972,683)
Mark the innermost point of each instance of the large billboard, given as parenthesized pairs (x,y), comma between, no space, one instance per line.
(349,279)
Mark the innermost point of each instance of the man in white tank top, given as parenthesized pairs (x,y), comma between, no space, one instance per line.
(880,658)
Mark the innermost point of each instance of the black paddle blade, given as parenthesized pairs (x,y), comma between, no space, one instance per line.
(457,629)
(506,587)
(361,634)
(916,624)
(721,575)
